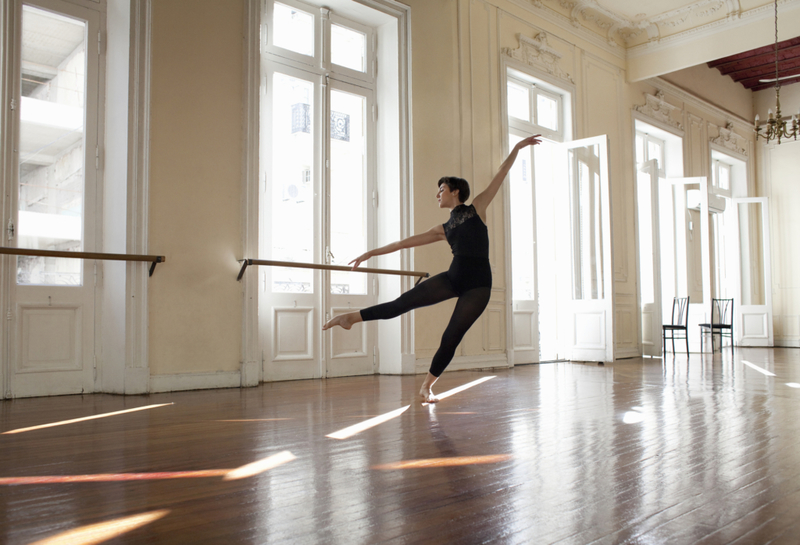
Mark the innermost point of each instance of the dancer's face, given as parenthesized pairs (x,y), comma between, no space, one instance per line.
(447,198)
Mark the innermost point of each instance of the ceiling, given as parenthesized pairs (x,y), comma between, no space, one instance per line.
(751,67)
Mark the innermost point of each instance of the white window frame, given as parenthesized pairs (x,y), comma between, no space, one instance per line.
(716,166)
(661,159)
(537,87)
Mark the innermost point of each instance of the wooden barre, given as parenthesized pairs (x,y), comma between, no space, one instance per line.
(294,265)
(154,259)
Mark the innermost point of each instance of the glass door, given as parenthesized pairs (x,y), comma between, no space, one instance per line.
(290,302)
(685,250)
(753,309)
(350,215)
(649,245)
(588,259)
(525,306)
(52,322)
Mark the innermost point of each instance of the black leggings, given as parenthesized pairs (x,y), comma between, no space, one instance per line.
(472,301)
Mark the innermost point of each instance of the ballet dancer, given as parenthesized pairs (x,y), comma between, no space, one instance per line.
(469,278)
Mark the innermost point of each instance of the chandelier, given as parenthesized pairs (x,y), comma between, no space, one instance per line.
(776,126)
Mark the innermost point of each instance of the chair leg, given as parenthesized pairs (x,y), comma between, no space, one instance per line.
(687,342)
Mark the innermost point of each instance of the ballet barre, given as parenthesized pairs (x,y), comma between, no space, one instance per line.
(153,259)
(246,262)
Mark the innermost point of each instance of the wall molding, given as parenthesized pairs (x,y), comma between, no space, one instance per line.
(136,290)
(728,139)
(687,96)
(466,363)
(540,10)
(655,107)
(195,381)
(252,368)
(538,54)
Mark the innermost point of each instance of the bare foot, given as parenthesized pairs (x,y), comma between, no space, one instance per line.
(427,396)
(345,321)
(425,390)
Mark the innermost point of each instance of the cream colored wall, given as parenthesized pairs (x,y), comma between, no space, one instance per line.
(458,125)
(195,183)
(778,180)
(196,163)
(708,84)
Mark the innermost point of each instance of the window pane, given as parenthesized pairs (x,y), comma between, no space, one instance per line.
(348,48)
(639,150)
(348,146)
(655,151)
(751,248)
(519,104)
(724,181)
(292,182)
(546,112)
(293,29)
(587,233)
(522,247)
(51,154)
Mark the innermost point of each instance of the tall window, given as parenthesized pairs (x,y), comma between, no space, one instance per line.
(535,107)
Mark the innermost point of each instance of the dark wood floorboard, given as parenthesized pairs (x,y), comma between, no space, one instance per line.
(700,450)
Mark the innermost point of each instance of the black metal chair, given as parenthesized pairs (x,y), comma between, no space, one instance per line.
(679,328)
(721,323)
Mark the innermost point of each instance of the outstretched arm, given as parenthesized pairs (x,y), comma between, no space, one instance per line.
(482,201)
(430,236)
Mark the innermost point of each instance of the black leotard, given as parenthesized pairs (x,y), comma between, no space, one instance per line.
(469,278)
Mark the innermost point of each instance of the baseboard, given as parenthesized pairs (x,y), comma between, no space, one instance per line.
(137,380)
(626,353)
(195,381)
(250,373)
(787,343)
(466,363)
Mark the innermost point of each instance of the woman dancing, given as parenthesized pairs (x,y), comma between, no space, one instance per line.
(469,277)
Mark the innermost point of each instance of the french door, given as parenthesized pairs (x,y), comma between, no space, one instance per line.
(524,255)
(318,207)
(649,252)
(50,326)
(588,259)
(753,308)
(562,281)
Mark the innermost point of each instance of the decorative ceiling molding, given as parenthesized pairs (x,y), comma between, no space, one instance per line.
(728,139)
(619,31)
(556,17)
(745,126)
(659,109)
(537,53)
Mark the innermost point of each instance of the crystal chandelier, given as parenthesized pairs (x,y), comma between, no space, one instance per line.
(776,126)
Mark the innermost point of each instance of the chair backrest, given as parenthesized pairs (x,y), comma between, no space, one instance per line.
(722,311)
(680,311)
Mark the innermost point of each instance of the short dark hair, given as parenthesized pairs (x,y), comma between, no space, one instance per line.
(453,183)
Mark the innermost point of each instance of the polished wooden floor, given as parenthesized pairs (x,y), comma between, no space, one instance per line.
(704,450)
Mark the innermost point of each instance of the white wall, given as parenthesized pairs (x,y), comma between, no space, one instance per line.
(778,180)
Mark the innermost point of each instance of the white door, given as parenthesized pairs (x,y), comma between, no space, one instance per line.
(51,319)
(649,245)
(588,259)
(349,211)
(525,315)
(318,208)
(290,300)
(753,308)
(685,250)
